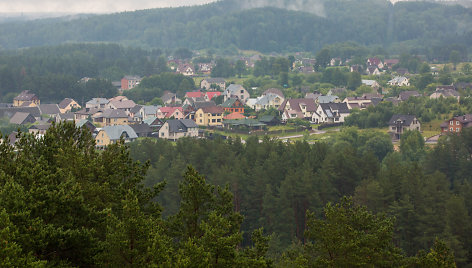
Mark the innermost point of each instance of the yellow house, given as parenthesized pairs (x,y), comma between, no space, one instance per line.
(67,105)
(211,116)
(26,96)
(111,118)
(112,134)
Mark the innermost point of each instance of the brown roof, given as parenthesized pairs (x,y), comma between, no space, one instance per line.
(213,109)
(275,91)
(114,114)
(295,104)
(26,95)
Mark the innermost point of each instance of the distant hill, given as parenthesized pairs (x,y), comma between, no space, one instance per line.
(233,24)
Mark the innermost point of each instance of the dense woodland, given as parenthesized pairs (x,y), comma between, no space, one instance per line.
(64,204)
(227,26)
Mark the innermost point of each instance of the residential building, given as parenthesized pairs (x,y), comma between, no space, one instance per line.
(20,118)
(67,104)
(375,62)
(405,95)
(232,105)
(212,84)
(51,110)
(456,124)
(236,91)
(399,124)
(186,69)
(39,130)
(97,103)
(372,70)
(399,81)
(111,117)
(269,100)
(301,108)
(142,130)
(170,99)
(371,83)
(121,104)
(112,134)
(170,112)
(176,129)
(209,116)
(26,96)
(445,92)
(129,82)
(358,102)
(330,113)
(389,63)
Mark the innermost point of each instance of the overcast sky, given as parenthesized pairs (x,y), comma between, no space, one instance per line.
(89,6)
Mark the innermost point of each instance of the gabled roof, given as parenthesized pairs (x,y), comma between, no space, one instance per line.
(176,126)
(135,109)
(201,104)
(9,112)
(233,116)
(115,132)
(194,94)
(141,128)
(19,118)
(405,95)
(65,102)
(234,89)
(275,91)
(212,94)
(50,109)
(83,122)
(67,116)
(340,107)
(153,121)
(113,113)
(123,104)
(327,99)
(295,104)
(229,103)
(25,95)
(265,99)
(406,119)
(96,101)
(167,96)
(150,109)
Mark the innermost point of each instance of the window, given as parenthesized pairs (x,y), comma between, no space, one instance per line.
(451,123)
(452,129)
(201,121)
(162,134)
(457,130)
(213,120)
(457,122)
(242,91)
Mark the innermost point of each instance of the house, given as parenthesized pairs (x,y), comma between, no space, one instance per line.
(375,62)
(301,108)
(87,113)
(205,68)
(236,91)
(69,116)
(211,94)
(399,124)
(358,102)
(97,103)
(121,104)
(291,114)
(371,83)
(39,130)
(20,118)
(330,113)
(275,91)
(130,81)
(306,69)
(111,117)
(148,111)
(209,116)
(67,104)
(233,105)
(372,70)
(170,112)
(186,69)
(11,111)
(314,95)
(456,124)
(170,99)
(269,100)
(134,114)
(26,96)
(405,95)
(176,129)
(445,92)
(142,130)
(399,81)
(356,68)
(213,84)
(112,134)
(87,124)
(51,110)
(154,122)
(194,94)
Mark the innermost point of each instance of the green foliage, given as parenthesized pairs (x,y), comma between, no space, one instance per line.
(350,236)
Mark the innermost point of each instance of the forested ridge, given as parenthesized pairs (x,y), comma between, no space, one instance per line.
(226,25)
(65,204)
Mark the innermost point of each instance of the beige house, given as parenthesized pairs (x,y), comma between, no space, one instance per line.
(399,124)
(67,105)
(111,118)
(111,134)
(26,96)
(399,81)
(176,129)
(216,82)
(209,116)
(236,91)
(267,101)
(305,107)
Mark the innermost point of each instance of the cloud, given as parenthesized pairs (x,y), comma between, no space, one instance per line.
(90,6)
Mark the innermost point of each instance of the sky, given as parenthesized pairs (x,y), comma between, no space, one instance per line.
(89,6)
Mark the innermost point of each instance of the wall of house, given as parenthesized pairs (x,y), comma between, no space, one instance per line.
(205,119)
(115,121)
(102,139)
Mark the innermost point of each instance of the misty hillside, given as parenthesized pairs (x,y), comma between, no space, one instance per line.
(252,25)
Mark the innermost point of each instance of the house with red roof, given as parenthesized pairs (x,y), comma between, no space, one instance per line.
(170,112)
(210,95)
(194,94)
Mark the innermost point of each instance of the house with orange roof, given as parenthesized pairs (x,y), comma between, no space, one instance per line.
(170,112)
(234,116)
